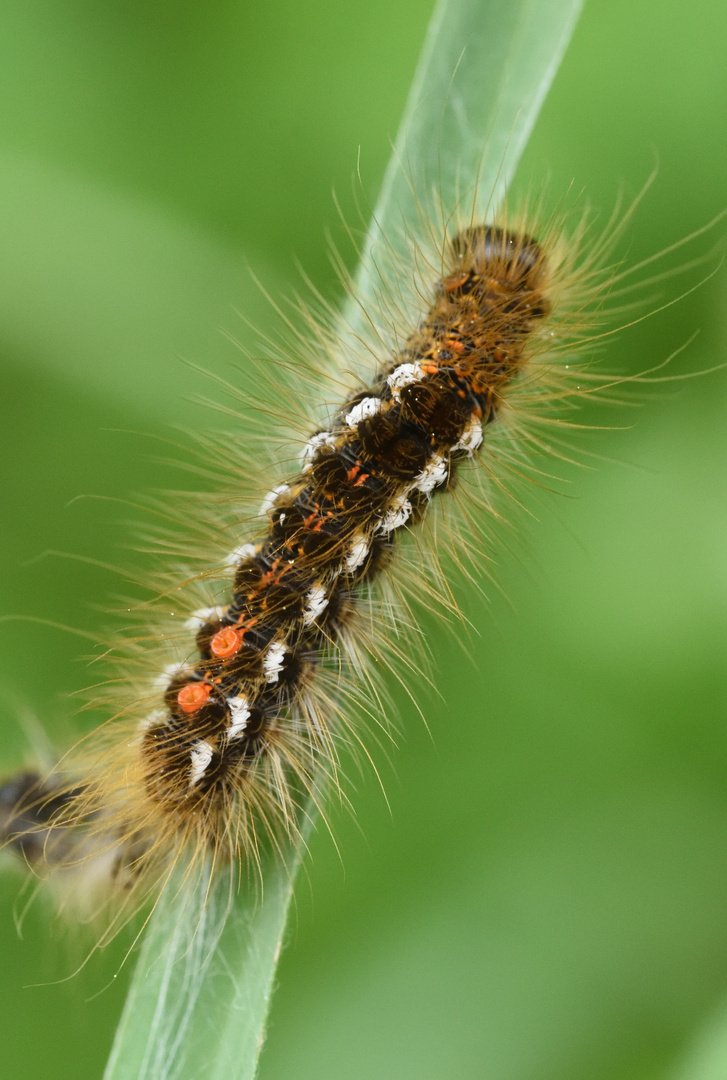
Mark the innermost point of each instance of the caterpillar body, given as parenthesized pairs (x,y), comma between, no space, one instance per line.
(331,528)
(229,740)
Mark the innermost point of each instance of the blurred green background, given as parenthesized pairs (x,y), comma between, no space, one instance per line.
(547,899)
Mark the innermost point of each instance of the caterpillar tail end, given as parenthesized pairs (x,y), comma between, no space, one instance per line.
(30,806)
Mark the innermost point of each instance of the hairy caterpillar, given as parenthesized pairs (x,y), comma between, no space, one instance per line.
(220,746)
(246,699)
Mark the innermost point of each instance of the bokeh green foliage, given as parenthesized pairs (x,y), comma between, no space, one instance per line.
(548,896)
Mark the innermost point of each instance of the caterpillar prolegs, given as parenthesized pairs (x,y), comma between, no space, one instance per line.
(223,747)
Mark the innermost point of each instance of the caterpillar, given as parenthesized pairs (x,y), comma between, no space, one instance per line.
(219,752)
(227,715)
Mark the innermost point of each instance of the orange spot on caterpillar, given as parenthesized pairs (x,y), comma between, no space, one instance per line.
(226,642)
(193,696)
(448,348)
(357,475)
